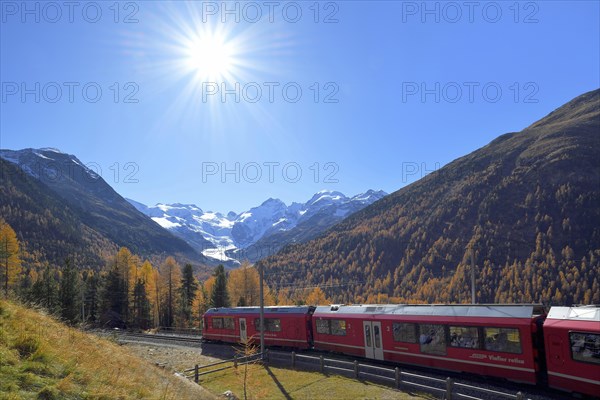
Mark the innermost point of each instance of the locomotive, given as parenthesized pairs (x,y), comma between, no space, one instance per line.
(521,343)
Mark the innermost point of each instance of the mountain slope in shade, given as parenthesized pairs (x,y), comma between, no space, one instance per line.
(528,203)
(259,231)
(61,207)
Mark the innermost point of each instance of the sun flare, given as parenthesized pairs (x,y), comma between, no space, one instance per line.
(211,56)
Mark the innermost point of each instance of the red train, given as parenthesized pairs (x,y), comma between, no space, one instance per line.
(505,341)
(572,337)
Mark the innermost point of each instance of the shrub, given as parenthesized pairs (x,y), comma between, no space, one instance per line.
(26,345)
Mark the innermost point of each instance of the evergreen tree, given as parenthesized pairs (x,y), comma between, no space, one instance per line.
(219,296)
(25,285)
(141,306)
(91,297)
(123,261)
(45,291)
(114,299)
(69,293)
(188,290)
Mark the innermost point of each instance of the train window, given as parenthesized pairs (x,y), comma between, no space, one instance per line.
(585,347)
(377,336)
(404,333)
(506,340)
(323,326)
(368,335)
(217,323)
(228,323)
(432,339)
(271,324)
(338,327)
(464,336)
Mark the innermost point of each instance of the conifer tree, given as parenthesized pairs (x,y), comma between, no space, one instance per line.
(171,279)
(69,294)
(219,296)
(243,285)
(91,297)
(114,299)
(188,290)
(10,261)
(141,306)
(45,291)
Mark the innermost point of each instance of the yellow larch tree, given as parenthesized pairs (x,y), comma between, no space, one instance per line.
(243,285)
(149,277)
(10,261)
(317,297)
(170,273)
(201,303)
(284,298)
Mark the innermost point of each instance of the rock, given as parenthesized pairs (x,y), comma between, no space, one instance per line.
(229,395)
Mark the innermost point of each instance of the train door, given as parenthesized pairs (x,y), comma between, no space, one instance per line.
(373,343)
(243,331)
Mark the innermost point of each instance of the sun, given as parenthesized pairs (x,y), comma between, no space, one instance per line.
(211,56)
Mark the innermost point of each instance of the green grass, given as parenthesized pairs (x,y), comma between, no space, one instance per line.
(278,383)
(41,358)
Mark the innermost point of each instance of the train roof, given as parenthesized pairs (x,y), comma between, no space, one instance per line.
(268,310)
(581,313)
(444,310)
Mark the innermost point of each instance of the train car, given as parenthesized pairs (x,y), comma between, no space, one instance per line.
(492,340)
(572,340)
(284,326)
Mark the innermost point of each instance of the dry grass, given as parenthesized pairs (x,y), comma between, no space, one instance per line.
(279,383)
(262,382)
(41,358)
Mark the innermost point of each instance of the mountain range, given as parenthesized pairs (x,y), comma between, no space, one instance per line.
(526,205)
(260,231)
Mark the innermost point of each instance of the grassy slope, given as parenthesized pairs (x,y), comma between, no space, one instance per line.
(42,358)
(279,383)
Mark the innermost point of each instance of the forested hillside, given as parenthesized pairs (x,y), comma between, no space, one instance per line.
(59,208)
(527,203)
(48,228)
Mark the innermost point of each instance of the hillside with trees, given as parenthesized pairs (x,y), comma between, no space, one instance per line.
(128,292)
(59,208)
(527,204)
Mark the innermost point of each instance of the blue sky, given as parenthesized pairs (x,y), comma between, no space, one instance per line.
(389,90)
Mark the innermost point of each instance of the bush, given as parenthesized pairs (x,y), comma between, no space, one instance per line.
(26,345)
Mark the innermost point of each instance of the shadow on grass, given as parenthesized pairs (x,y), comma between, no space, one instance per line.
(219,350)
(284,392)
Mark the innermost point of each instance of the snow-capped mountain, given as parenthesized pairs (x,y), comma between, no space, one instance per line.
(231,237)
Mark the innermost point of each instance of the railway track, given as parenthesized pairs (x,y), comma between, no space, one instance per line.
(153,338)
